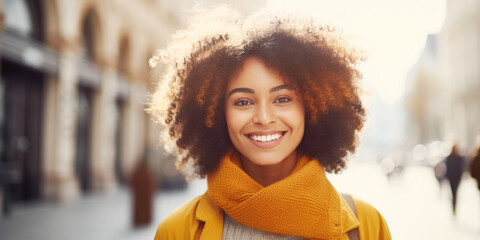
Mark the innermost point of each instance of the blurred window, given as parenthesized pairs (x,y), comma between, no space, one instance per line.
(17,17)
(123,57)
(118,115)
(88,36)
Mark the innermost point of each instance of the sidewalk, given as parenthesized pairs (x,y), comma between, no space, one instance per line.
(414,206)
(100,216)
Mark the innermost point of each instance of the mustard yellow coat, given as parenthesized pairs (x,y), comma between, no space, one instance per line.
(184,222)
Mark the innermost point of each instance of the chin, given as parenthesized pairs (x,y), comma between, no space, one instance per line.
(267,160)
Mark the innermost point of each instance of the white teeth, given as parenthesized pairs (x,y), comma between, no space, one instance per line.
(266,138)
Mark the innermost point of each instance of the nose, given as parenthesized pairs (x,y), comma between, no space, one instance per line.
(264,115)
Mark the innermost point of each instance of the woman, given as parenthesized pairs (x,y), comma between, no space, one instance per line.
(262,108)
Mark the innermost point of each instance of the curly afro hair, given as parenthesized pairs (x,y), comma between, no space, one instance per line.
(311,56)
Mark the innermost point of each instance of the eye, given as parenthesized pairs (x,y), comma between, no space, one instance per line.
(282,100)
(242,103)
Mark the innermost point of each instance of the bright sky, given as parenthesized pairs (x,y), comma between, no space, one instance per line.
(393,32)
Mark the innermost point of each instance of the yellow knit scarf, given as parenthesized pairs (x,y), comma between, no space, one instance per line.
(303,204)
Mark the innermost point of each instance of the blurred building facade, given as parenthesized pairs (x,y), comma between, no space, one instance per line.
(444,97)
(74,83)
(423,92)
(459,53)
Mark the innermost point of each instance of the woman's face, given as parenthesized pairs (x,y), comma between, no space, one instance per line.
(265,117)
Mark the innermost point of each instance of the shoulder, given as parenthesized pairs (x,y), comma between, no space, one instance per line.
(372,223)
(180,223)
(364,207)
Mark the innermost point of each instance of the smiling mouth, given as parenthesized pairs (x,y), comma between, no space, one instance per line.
(266,137)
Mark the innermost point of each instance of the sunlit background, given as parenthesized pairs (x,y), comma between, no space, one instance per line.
(73,130)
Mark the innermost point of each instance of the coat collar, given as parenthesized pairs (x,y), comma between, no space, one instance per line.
(209,213)
(207,209)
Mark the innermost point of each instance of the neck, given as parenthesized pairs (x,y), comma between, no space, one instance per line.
(269,174)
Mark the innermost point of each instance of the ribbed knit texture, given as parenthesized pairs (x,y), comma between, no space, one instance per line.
(233,230)
(303,204)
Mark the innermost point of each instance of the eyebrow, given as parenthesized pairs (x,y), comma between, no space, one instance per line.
(281,87)
(249,90)
(244,90)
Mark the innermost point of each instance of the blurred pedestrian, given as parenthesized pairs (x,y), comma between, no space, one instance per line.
(143,189)
(440,170)
(475,163)
(262,108)
(475,166)
(456,165)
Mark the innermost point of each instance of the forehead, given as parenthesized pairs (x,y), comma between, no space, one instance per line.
(254,73)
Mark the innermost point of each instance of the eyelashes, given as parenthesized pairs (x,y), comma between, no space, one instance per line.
(242,103)
(283,100)
(246,102)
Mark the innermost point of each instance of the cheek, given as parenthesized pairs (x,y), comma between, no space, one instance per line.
(234,122)
(298,120)
(301,118)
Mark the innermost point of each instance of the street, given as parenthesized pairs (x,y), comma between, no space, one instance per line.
(413,204)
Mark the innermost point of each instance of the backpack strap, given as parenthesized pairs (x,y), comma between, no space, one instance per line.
(353,233)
